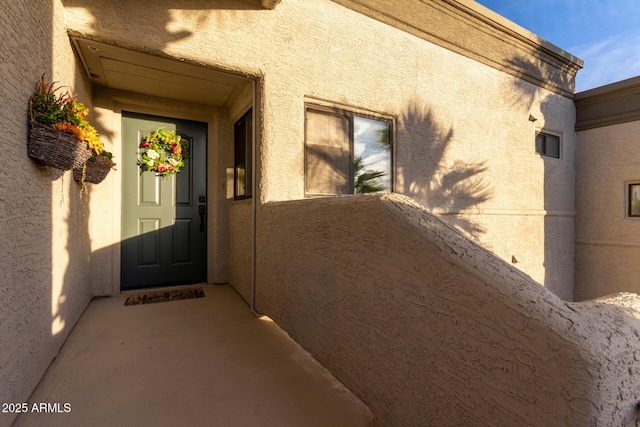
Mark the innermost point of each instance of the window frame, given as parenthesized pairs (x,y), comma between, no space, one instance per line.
(246,153)
(544,151)
(351,114)
(628,195)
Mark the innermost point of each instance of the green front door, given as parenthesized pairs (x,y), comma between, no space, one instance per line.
(164,237)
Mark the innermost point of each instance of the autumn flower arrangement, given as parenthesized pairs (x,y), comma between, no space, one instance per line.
(60,135)
(162,152)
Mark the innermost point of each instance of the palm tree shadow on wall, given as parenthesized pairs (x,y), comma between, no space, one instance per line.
(451,187)
(525,91)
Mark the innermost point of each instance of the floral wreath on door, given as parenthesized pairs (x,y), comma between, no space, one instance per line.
(162,152)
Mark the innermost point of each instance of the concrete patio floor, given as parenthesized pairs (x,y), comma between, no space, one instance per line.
(198,362)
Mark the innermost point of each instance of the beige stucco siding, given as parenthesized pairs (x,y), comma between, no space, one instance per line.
(463,145)
(45,273)
(607,240)
(240,247)
(464,141)
(240,225)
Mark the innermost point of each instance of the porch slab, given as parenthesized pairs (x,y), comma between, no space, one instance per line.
(205,361)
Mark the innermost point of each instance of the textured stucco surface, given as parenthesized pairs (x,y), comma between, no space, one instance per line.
(607,240)
(464,141)
(240,212)
(240,247)
(45,275)
(463,144)
(428,328)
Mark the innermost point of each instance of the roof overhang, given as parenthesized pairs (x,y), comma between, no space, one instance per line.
(149,73)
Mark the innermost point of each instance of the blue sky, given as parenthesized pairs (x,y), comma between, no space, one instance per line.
(605,34)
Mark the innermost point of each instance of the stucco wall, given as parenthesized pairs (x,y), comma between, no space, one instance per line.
(45,274)
(240,247)
(463,141)
(240,225)
(464,135)
(607,240)
(428,328)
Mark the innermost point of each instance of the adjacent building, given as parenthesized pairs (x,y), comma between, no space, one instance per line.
(607,189)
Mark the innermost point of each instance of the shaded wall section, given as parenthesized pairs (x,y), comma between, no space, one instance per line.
(44,241)
(428,327)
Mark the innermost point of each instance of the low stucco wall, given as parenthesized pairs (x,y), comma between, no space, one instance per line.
(429,328)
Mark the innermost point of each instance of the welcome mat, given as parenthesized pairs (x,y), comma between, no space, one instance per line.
(164,296)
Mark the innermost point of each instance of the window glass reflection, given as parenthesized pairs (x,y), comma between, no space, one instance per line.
(371,155)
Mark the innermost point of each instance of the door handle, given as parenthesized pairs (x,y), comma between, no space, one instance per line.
(202,210)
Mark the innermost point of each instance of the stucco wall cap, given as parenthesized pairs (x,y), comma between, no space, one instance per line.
(621,86)
(469,29)
(621,299)
(504,22)
(608,105)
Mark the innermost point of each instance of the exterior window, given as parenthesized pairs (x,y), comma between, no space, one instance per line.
(346,153)
(243,167)
(548,145)
(634,200)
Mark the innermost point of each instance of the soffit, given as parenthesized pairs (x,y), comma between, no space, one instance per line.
(470,29)
(130,70)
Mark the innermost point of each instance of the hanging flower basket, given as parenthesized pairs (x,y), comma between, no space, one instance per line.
(162,152)
(59,134)
(54,148)
(95,170)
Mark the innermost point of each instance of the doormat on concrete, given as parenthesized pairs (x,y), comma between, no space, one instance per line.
(163,296)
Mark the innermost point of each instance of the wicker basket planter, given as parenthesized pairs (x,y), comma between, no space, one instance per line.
(95,171)
(54,148)
(61,137)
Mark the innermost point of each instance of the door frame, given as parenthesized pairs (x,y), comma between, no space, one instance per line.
(166,274)
(185,113)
